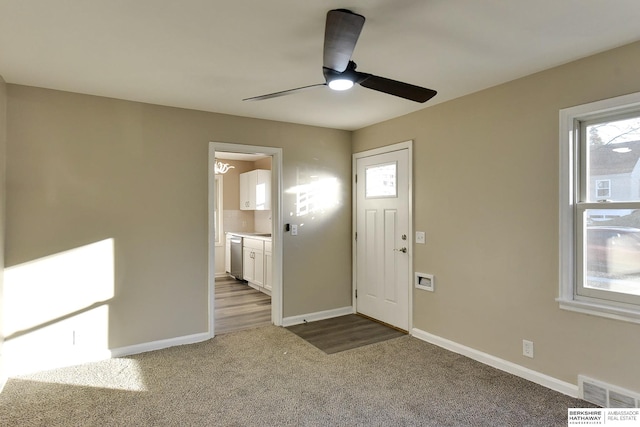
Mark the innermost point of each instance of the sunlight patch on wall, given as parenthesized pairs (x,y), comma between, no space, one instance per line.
(319,195)
(56,309)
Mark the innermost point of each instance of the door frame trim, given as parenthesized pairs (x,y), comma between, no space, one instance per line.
(276,225)
(406,145)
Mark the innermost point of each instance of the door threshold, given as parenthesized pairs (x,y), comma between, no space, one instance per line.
(382,323)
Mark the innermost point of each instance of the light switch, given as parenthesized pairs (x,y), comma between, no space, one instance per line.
(420,237)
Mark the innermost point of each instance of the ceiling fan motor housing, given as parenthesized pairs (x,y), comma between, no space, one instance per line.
(349,74)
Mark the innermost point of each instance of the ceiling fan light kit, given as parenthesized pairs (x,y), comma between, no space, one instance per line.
(340,84)
(342,30)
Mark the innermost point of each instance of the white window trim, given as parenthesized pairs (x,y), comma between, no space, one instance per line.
(567,299)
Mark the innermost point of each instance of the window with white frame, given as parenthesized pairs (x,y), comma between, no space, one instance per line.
(600,208)
(217,214)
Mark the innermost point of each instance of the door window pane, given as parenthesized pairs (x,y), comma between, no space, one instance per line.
(380,181)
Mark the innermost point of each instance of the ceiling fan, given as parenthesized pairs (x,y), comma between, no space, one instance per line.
(341,33)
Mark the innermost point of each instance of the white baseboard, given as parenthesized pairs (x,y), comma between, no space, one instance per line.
(320,315)
(504,365)
(159,345)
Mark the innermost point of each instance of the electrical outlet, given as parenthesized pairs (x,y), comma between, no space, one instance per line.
(527,348)
(294,230)
(420,237)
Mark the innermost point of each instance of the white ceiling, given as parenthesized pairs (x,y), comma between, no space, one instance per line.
(210,54)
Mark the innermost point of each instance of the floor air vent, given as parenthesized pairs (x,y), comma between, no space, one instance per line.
(606,395)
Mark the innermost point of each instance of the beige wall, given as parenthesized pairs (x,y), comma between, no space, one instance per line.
(83,168)
(3,144)
(231,195)
(231,179)
(486,194)
(263,163)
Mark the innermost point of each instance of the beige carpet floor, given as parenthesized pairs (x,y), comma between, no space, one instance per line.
(268,376)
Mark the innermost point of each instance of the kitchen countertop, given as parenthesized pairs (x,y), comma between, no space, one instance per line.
(258,236)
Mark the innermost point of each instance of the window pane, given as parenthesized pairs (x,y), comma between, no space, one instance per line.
(612,166)
(217,219)
(613,250)
(380,181)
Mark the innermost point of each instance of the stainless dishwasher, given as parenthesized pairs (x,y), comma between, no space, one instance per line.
(236,257)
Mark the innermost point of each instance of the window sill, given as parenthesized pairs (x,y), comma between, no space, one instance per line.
(600,309)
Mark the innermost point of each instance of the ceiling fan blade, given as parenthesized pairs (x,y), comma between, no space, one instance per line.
(341,33)
(394,87)
(283,92)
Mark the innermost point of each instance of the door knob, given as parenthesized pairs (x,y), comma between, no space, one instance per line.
(403,250)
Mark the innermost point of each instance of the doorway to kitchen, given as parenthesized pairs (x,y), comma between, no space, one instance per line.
(257,224)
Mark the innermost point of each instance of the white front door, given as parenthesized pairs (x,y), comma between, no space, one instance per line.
(382,239)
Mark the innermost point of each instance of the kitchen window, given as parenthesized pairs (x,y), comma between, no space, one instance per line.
(600,208)
(217,213)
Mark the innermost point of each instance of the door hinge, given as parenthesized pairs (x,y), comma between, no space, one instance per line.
(356,293)
(356,178)
(356,236)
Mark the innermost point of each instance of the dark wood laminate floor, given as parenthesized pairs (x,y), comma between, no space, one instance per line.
(239,306)
(344,333)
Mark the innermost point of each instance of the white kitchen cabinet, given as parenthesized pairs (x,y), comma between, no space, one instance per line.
(255,190)
(253,261)
(246,202)
(248,266)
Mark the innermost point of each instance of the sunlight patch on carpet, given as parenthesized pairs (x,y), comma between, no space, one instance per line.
(122,374)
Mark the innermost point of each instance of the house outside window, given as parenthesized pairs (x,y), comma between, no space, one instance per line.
(600,208)
(603,189)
